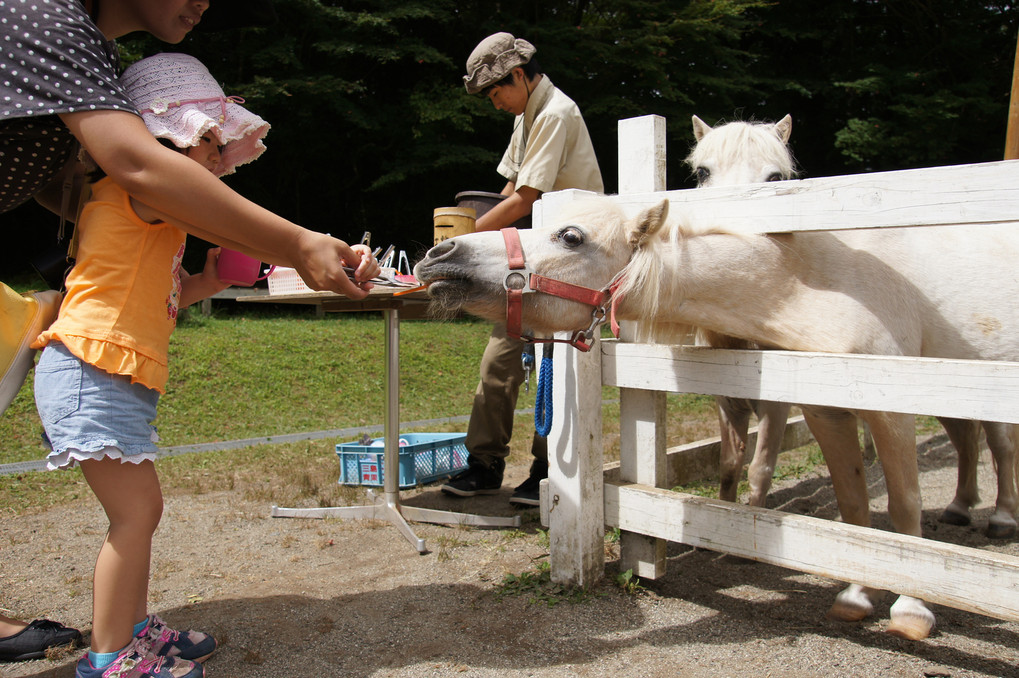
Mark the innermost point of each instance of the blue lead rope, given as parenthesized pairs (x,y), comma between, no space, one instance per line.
(543,398)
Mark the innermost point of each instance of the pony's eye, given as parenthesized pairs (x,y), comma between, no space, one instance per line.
(571,236)
(702,174)
(775,176)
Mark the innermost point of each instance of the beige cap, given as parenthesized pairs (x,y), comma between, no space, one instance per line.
(494,58)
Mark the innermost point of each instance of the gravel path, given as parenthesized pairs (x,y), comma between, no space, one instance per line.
(309,598)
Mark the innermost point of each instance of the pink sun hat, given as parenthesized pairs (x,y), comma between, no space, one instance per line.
(179,100)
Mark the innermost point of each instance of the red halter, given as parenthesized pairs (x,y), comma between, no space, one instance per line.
(521,280)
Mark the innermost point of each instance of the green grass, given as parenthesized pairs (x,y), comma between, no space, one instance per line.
(255,373)
(251,372)
(258,375)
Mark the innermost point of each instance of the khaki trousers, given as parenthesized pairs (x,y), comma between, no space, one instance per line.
(491,424)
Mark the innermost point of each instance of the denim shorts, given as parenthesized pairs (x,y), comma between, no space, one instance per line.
(91,414)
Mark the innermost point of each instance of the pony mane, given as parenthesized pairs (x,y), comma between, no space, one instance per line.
(646,283)
(743,141)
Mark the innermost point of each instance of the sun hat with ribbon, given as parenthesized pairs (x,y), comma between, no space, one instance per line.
(494,58)
(179,100)
(223,14)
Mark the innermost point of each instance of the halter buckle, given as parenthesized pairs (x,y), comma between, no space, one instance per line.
(518,280)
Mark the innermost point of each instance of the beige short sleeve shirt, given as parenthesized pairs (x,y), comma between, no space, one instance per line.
(550,149)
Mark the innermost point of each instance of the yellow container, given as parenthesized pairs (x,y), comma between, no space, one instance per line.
(450,222)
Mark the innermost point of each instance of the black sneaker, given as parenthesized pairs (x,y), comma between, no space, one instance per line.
(526,493)
(475,479)
(33,640)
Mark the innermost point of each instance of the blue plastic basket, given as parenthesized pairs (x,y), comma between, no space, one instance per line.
(426,457)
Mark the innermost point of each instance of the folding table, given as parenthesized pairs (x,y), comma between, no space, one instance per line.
(387,506)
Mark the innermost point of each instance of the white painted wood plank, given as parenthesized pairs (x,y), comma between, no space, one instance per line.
(981,390)
(545,209)
(959,577)
(642,459)
(642,413)
(641,143)
(575,478)
(961,194)
(698,460)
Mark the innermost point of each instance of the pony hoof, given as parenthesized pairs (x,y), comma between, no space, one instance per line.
(910,629)
(953,516)
(848,613)
(910,619)
(1000,528)
(852,604)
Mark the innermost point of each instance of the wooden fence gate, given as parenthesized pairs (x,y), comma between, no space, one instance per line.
(581,498)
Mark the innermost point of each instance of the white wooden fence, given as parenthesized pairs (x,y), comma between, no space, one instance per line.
(581,498)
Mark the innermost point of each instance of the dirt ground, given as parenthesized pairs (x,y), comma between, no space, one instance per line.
(307,598)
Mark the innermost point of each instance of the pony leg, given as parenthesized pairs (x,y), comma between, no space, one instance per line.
(895,440)
(965,436)
(1001,438)
(771,420)
(836,433)
(733,422)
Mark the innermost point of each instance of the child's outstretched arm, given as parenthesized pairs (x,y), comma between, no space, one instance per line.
(203,205)
(194,288)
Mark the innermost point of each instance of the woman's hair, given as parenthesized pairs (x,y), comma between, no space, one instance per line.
(531,69)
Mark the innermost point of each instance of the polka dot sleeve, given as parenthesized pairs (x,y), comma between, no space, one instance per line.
(53,60)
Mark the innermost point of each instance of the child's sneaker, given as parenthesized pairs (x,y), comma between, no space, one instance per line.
(194,646)
(135,661)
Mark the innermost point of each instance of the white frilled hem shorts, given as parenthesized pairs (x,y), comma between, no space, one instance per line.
(88,413)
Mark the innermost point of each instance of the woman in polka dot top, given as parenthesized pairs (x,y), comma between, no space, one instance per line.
(58,86)
(58,75)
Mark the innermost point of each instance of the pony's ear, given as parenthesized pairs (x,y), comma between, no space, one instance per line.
(784,128)
(700,128)
(647,223)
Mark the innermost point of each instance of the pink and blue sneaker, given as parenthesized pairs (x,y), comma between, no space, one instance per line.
(163,641)
(136,661)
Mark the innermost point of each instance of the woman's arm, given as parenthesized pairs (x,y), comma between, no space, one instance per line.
(200,203)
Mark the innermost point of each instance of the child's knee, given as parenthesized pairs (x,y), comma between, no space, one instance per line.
(150,512)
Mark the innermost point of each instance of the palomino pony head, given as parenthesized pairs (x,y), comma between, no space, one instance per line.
(741,152)
(590,242)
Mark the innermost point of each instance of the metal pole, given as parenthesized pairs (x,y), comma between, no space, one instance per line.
(391,426)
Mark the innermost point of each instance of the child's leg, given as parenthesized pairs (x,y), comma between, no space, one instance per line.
(133,502)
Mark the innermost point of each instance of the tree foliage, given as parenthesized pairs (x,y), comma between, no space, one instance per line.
(372,128)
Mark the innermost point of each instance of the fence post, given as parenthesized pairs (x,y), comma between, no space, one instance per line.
(576,500)
(573,500)
(642,448)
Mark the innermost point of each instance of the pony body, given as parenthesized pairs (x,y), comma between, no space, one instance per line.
(894,291)
(752,152)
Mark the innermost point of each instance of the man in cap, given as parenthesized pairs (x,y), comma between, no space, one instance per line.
(550,150)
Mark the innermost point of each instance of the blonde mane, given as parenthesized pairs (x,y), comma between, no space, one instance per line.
(646,283)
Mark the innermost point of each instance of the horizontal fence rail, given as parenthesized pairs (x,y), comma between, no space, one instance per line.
(970,389)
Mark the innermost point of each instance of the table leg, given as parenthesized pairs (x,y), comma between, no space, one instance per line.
(387,507)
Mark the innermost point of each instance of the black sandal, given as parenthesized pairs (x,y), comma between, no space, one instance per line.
(32,641)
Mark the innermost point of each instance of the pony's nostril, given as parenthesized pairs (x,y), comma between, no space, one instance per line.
(440,250)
